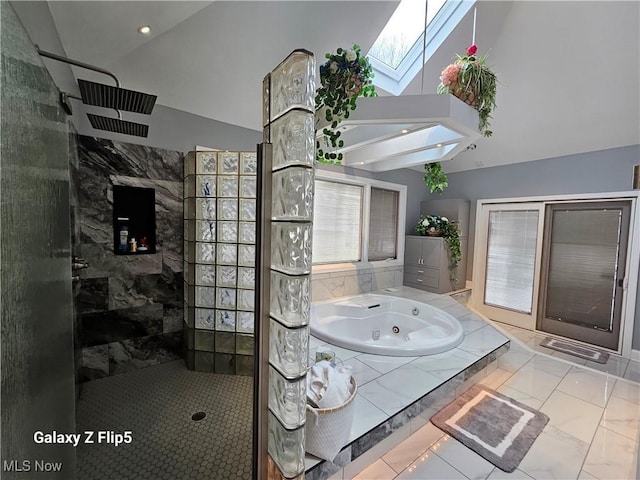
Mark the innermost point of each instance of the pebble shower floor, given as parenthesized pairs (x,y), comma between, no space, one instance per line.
(156,405)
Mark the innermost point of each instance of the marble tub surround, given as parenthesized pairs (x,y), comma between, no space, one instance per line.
(326,285)
(131,307)
(399,394)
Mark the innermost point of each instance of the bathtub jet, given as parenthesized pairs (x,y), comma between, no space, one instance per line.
(394,326)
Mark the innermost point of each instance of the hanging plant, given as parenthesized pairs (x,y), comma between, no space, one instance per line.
(345,76)
(473,82)
(435,178)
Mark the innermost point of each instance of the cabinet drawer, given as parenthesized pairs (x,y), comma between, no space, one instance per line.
(429,277)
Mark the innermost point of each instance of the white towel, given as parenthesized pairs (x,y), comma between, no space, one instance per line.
(328,386)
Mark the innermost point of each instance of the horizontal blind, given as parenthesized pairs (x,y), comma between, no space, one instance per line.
(511,254)
(383,224)
(583,266)
(337,222)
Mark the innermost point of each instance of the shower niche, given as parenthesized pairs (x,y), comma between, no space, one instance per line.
(134,220)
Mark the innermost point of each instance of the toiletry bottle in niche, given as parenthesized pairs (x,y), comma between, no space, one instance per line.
(124,238)
(133,246)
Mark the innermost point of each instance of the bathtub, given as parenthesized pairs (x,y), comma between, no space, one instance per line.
(385,325)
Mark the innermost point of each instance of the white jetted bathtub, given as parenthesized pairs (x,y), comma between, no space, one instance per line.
(385,325)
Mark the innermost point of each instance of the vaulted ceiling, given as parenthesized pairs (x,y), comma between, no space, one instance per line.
(569,71)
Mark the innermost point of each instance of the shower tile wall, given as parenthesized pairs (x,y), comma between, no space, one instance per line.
(130,306)
(220,236)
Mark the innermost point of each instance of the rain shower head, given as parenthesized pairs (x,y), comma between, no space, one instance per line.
(118,126)
(102,95)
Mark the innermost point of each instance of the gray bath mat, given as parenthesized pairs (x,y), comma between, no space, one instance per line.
(575,349)
(496,427)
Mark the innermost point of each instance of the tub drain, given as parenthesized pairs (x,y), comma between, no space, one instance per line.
(395,329)
(198,416)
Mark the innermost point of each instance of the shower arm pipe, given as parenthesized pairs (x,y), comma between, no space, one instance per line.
(77,63)
(60,58)
(76,97)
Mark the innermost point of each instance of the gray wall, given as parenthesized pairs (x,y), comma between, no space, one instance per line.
(37,355)
(592,172)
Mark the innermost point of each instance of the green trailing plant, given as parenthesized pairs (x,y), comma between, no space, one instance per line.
(472,81)
(435,178)
(435,225)
(345,76)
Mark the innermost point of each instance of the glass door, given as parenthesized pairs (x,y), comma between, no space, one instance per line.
(584,267)
(509,270)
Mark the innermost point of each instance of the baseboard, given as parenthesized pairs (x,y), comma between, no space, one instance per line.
(635,355)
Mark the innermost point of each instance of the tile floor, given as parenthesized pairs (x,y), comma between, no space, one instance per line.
(593,432)
(156,405)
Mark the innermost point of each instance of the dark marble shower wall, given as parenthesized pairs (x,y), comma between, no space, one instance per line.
(131,306)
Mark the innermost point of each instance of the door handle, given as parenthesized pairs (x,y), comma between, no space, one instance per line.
(420,271)
(419,280)
(621,282)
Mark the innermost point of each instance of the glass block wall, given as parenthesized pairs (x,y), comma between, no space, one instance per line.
(219,266)
(289,127)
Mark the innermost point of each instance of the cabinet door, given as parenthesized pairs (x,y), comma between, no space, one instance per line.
(431,251)
(413,251)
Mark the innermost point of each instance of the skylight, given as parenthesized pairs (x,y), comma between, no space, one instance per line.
(403,30)
(396,56)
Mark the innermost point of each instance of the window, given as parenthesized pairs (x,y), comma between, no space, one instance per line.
(337,230)
(383,224)
(396,55)
(357,219)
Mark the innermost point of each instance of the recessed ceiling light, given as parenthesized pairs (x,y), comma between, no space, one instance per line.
(145,30)
(404,130)
(361,163)
(439,145)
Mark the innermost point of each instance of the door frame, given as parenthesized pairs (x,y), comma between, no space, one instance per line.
(632,262)
(521,319)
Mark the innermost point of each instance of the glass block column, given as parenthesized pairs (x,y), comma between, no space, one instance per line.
(220,237)
(289,127)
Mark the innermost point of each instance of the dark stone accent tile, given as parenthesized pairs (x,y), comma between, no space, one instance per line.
(104,263)
(244,344)
(225,342)
(144,352)
(225,363)
(244,365)
(370,439)
(94,363)
(205,340)
(96,221)
(204,362)
(172,318)
(122,324)
(93,295)
(131,160)
(169,288)
(135,291)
